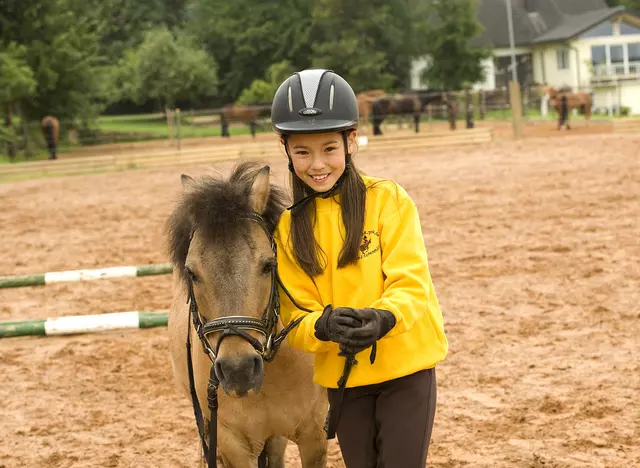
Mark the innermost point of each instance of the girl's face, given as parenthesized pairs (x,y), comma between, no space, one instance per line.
(319,158)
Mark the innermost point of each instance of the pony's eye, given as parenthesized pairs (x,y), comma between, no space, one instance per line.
(268,266)
(191,275)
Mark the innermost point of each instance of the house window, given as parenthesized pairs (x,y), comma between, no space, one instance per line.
(562,58)
(633,50)
(616,59)
(627,29)
(602,30)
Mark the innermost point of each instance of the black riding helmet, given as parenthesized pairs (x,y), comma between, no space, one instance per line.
(314,101)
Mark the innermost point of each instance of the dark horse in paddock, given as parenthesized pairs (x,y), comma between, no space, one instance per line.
(405,104)
(51,128)
(242,113)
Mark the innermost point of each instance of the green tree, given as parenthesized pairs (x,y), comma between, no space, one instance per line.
(261,91)
(372,43)
(453,61)
(166,69)
(247,36)
(16,77)
(16,84)
(629,4)
(61,40)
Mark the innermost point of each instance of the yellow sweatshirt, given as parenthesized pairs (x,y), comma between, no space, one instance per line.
(392,274)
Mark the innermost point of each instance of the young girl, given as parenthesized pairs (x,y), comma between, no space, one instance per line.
(351,250)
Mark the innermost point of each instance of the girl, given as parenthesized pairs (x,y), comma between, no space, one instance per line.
(351,250)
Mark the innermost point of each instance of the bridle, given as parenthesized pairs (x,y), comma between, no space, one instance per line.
(235,326)
(238,326)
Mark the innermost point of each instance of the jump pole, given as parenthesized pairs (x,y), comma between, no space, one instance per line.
(70,276)
(84,324)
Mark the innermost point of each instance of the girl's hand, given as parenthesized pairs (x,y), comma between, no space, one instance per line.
(375,324)
(333,325)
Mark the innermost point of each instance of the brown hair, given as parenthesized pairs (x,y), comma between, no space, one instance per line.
(308,253)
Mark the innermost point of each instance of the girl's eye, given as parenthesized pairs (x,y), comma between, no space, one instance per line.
(301,153)
(330,149)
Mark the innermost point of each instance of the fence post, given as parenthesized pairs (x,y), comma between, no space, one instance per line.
(167,113)
(483,104)
(516,108)
(177,117)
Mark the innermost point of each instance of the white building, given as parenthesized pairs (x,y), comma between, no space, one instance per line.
(581,44)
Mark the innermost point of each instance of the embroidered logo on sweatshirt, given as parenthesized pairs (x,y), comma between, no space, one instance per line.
(370,243)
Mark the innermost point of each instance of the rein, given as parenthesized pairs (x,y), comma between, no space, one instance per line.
(238,326)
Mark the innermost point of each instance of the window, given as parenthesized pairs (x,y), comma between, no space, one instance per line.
(598,55)
(602,30)
(562,58)
(627,29)
(616,59)
(633,50)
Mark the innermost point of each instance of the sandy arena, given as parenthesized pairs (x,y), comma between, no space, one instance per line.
(534,252)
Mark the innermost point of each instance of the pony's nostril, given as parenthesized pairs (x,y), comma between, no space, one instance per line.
(219,370)
(257,365)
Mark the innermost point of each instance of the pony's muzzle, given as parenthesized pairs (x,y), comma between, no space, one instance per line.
(240,375)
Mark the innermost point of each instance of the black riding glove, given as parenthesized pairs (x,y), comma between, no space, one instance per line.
(370,326)
(333,325)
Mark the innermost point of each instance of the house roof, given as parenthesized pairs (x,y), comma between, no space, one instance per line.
(572,26)
(553,20)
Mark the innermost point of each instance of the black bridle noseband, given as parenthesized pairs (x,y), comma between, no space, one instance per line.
(238,326)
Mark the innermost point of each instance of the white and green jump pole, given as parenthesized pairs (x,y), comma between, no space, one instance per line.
(84,324)
(19,281)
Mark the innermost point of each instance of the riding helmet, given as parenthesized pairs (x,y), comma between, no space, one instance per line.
(315,100)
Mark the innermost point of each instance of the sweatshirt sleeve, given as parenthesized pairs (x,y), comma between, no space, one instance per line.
(304,292)
(407,281)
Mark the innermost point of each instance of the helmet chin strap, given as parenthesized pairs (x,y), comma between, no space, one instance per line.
(301,203)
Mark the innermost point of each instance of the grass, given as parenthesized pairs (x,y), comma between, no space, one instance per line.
(155,126)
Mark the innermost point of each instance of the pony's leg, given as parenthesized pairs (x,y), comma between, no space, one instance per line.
(312,445)
(275,448)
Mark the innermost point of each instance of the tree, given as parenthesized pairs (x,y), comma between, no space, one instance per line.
(262,91)
(16,77)
(165,69)
(16,84)
(247,36)
(628,4)
(453,61)
(61,42)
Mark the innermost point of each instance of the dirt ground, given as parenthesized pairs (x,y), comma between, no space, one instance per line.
(534,251)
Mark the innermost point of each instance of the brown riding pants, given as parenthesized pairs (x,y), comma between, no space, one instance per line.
(388,425)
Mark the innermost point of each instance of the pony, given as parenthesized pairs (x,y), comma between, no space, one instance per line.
(412,104)
(242,113)
(220,240)
(50,128)
(580,100)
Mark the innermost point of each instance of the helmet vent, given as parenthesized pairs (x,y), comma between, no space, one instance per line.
(331,91)
(310,81)
(290,100)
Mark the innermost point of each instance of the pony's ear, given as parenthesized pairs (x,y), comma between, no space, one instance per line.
(260,191)
(187,180)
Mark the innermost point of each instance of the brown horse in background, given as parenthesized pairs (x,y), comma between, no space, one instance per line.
(580,100)
(402,104)
(241,113)
(51,128)
(365,104)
